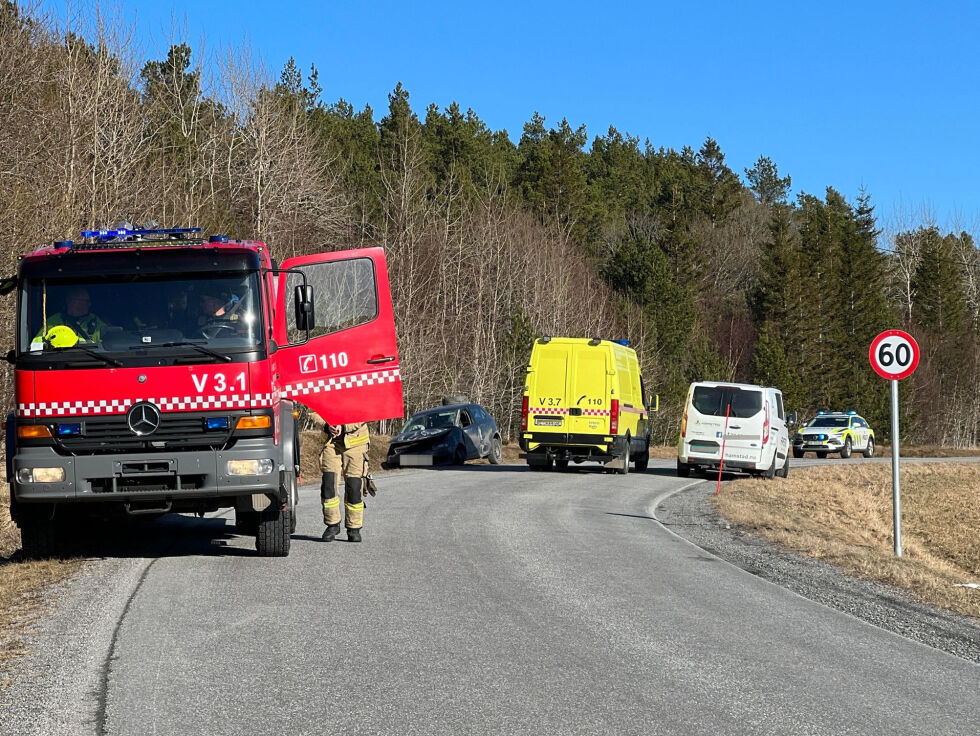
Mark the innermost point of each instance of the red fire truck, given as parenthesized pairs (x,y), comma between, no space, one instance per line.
(159,371)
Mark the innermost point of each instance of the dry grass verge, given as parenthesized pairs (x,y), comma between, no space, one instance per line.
(843,515)
(929,451)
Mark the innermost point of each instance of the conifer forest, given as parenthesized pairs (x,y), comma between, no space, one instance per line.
(495,237)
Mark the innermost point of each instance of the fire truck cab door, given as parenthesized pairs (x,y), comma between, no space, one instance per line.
(347,371)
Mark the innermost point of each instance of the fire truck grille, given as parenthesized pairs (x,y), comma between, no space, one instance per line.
(176,431)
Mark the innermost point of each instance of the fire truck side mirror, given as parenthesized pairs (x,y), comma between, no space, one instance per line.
(305,315)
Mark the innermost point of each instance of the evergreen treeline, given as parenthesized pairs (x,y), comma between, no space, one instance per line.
(492,241)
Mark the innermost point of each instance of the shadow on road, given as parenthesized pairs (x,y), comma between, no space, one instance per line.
(171,535)
(572,468)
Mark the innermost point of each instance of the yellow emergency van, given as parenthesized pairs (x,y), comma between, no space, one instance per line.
(584,400)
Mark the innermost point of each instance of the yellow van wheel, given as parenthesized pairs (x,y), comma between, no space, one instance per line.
(539,463)
(625,457)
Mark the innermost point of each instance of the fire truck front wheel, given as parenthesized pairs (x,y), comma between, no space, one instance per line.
(290,490)
(272,537)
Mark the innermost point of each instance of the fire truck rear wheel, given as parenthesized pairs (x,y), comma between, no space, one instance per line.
(272,539)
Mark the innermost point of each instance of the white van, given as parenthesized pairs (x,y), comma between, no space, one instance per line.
(757,440)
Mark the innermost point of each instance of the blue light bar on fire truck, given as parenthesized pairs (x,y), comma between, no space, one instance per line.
(125,232)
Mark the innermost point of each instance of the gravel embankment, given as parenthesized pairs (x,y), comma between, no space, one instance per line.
(691,515)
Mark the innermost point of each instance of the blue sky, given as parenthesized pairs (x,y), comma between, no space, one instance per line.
(879,94)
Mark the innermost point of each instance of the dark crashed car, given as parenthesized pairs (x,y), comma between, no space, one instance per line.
(447,435)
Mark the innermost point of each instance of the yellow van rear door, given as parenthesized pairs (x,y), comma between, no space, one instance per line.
(547,404)
(589,391)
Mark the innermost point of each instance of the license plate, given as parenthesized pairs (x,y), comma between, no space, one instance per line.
(411,461)
(547,422)
(706,449)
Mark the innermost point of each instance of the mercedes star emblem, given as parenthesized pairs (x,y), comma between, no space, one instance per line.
(143,418)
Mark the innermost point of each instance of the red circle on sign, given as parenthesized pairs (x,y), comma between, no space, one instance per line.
(894,355)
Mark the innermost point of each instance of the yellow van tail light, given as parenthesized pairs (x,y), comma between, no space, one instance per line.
(33,431)
(260,422)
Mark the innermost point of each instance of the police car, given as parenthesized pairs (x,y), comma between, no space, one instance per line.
(840,432)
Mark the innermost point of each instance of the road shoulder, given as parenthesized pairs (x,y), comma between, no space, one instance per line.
(691,515)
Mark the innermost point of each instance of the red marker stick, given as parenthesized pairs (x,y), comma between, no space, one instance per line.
(724,436)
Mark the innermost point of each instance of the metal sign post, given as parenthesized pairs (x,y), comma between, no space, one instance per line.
(896,478)
(894,355)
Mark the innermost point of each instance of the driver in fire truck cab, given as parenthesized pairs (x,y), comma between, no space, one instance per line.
(73,324)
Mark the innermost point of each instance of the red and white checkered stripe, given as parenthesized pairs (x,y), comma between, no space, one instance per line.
(356,380)
(565,410)
(97,407)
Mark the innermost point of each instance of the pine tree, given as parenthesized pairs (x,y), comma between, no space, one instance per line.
(770,367)
(719,189)
(552,173)
(937,285)
(766,184)
(777,293)
(639,270)
(865,312)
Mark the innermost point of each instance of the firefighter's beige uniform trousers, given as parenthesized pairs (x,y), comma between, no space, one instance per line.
(345,456)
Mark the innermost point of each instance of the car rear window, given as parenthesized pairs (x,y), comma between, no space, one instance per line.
(714,400)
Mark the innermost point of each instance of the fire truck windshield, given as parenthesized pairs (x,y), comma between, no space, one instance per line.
(132,316)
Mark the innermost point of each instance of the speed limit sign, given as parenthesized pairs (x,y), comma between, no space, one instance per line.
(894,354)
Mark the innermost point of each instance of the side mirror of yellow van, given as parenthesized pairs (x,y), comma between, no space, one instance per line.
(654,403)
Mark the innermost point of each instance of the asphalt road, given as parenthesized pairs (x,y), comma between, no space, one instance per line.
(483,600)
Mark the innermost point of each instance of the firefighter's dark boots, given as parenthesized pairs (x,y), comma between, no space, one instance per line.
(353,535)
(331,532)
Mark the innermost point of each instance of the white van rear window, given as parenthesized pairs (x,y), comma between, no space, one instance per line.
(714,400)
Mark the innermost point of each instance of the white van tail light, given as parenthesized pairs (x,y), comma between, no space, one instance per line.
(765,426)
(614,416)
(524,407)
(684,425)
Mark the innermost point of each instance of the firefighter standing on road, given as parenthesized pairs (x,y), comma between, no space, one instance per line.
(344,454)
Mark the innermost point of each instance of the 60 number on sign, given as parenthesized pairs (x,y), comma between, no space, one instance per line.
(894,355)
